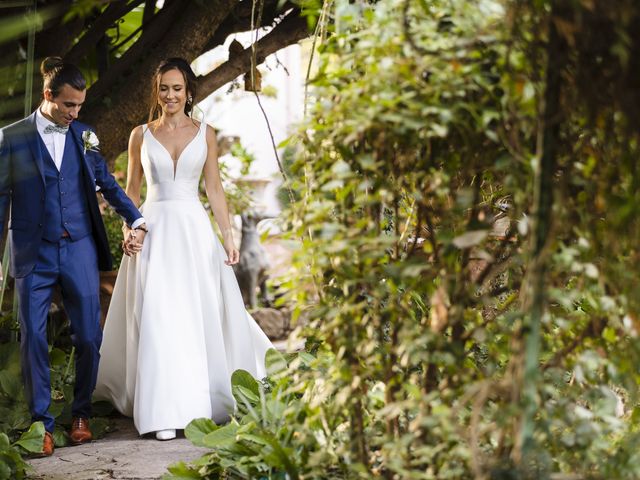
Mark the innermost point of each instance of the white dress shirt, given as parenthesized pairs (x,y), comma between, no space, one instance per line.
(53,141)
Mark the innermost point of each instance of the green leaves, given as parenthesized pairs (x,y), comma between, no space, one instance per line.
(10,383)
(181,471)
(12,465)
(32,439)
(241,379)
(259,441)
(275,362)
(198,429)
(415,170)
(203,432)
(221,437)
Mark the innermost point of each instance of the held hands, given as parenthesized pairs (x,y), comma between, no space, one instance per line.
(133,240)
(233,255)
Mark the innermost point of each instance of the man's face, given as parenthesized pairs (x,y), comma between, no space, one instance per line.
(64,107)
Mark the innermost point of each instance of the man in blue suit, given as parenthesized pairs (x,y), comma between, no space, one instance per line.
(49,174)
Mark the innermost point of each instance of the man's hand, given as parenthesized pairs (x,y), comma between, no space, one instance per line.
(133,240)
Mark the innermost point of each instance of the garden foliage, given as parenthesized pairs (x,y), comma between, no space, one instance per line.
(418,174)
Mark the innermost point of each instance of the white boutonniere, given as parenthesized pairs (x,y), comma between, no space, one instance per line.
(90,141)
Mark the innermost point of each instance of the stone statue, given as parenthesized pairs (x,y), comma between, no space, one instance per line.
(251,270)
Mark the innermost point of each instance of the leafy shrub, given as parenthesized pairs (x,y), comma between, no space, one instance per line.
(15,417)
(17,435)
(263,439)
(12,465)
(433,266)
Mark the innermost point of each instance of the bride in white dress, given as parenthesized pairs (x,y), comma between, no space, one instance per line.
(176,328)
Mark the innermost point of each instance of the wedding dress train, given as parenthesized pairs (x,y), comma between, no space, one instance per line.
(177,327)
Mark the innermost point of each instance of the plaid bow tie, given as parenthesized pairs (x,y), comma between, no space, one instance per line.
(55,129)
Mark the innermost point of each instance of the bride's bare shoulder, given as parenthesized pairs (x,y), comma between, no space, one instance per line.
(211,132)
(137,134)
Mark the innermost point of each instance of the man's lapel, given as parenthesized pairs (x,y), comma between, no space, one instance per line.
(32,137)
(76,135)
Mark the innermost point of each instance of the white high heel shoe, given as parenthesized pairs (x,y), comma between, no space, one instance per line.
(166,434)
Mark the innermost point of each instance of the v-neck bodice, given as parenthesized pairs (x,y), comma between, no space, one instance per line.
(169,180)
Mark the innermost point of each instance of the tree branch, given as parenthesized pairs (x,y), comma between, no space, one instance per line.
(116,103)
(239,20)
(113,12)
(290,30)
(593,329)
(149,11)
(151,36)
(56,36)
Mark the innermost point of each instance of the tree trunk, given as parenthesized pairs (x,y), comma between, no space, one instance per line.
(292,29)
(552,116)
(126,106)
(119,99)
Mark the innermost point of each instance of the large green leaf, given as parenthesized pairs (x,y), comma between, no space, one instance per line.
(56,408)
(243,395)
(246,380)
(99,427)
(60,438)
(12,458)
(18,418)
(57,357)
(275,362)
(10,357)
(255,438)
(181,471)
(223,436)
(198,429)
(32,439)
(5,469)
(10,383)
(306,358)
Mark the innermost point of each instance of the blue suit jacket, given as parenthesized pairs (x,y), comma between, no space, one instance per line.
(22,186)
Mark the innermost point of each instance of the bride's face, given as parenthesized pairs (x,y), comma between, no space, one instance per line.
(172,92)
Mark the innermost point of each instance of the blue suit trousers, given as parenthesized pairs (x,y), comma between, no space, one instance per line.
(73,265)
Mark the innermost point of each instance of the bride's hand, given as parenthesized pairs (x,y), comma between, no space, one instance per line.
(233,255)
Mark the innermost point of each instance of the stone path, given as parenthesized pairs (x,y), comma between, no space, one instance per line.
(121,455)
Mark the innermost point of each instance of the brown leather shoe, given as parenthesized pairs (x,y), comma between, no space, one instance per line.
(80,432)
(47,445)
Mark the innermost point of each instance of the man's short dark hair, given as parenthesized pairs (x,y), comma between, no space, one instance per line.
(57,73)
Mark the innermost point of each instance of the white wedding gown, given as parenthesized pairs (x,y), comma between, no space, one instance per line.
(177,327)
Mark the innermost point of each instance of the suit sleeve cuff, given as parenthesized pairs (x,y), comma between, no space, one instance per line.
(138,222)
